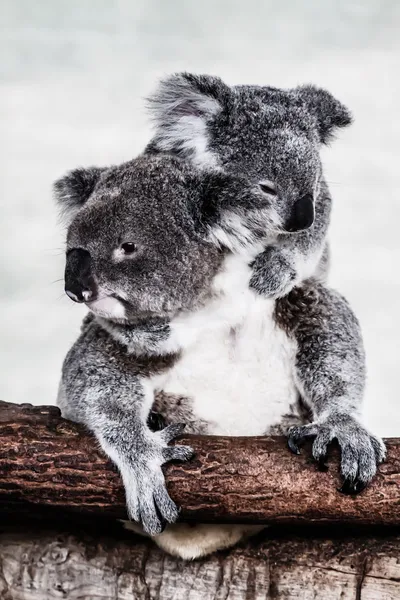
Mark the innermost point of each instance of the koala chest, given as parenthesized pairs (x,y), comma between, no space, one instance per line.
(237,372)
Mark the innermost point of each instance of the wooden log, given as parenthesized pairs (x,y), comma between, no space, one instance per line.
(50,463)
(49,563)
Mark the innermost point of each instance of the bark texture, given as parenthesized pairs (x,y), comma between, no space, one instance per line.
(50,463)
(37,564)
(52,469)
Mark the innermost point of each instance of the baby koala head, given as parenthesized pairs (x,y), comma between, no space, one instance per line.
(146,238)
(270,136)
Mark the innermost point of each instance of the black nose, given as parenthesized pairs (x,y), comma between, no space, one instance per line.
(303,214)
(79,282)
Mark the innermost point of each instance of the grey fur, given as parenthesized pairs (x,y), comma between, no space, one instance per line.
(330,368)
(262,133)
(101,387)
(170,214)
(271,134)
(185,223)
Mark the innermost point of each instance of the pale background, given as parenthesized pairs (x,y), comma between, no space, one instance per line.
(73,75)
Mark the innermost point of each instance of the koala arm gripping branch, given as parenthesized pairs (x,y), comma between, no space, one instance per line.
(103,388)
(330,375)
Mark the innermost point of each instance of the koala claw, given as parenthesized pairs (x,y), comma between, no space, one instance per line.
(272,275)
(155,421)
(147,499)
(352,487)
(361,452)
(293,441)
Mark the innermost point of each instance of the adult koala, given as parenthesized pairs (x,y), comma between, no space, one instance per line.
(273,138)
(159,252)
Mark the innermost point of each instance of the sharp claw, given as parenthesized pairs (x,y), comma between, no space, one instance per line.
(293,446)
(352,487)
(155,421)
(322,466)
(347,487)
(359,486)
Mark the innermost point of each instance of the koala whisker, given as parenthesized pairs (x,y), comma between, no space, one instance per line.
(55,251)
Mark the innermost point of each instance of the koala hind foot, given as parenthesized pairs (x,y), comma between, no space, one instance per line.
(361,451)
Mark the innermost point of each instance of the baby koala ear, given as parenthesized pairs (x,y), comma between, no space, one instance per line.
(73,190)
(329,112)
(181,107)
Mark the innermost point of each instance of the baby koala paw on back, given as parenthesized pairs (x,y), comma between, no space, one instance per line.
(272,274)
(361,451)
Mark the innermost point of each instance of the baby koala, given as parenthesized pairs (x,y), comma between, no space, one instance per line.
(160,252)
(273,138)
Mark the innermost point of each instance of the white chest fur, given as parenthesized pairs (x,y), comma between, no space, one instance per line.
(236,364)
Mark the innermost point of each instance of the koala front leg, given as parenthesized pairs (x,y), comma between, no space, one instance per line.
(139,455)
(330,374)
(100,390)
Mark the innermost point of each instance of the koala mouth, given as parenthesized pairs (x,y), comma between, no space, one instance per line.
(108,307)
(115,308)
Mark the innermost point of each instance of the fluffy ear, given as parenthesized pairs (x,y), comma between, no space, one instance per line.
(180,107)
(73,190)
(329,112)
(233,214)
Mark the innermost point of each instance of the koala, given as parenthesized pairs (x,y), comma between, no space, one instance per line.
(273,138)
(160,254)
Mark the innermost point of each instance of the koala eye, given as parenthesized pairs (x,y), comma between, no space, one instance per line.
(128,248)
(268,187)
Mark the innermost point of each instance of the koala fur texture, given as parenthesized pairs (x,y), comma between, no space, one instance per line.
(161,254)
(273,138)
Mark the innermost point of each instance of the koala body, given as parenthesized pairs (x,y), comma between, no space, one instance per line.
(161,253)
(270,136)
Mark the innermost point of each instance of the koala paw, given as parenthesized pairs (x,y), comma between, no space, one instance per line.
(146,494)
(361,452)
(272,275)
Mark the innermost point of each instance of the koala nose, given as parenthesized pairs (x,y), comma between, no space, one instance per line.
(79,282)
(303,214)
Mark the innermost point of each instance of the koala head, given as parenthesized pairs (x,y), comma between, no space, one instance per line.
(270,136)
(146,238)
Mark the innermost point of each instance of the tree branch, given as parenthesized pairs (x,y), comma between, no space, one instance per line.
(46,461)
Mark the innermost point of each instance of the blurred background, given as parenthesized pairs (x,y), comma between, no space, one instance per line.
(73,77)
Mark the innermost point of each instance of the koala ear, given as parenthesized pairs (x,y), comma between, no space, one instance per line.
(329,112)
(73,190)
(180,107)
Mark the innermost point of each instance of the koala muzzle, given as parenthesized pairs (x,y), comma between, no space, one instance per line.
(302,216)
(79,282)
